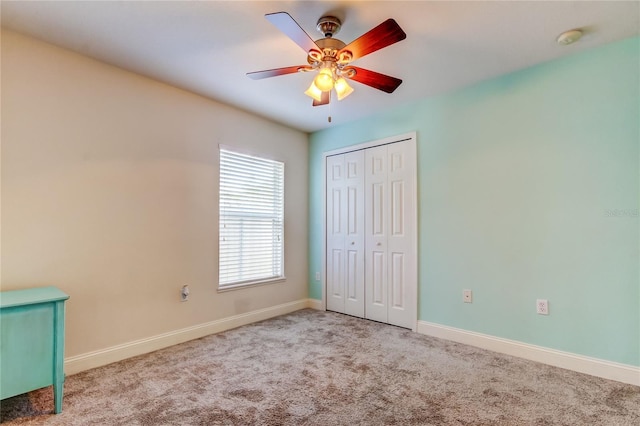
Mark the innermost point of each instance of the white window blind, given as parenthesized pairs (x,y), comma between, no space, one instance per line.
(251,219)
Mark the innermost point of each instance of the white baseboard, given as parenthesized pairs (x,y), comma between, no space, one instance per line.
(582,364)
(78,363)
(316,304)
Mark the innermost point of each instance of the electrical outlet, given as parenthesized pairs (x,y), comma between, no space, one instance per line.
(542,307)
(467,296)
(317,276)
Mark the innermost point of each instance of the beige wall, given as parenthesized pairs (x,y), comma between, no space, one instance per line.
(109,192)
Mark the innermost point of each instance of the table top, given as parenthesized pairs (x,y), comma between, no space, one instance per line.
(31,296)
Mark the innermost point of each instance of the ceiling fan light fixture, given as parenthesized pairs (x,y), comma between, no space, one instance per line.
(314,92)
(324,79)
(342,88)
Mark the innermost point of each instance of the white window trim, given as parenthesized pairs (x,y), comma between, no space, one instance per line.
(250,284)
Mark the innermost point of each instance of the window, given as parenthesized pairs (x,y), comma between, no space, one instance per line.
(251,219)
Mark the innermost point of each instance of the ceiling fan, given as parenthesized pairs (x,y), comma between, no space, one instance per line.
(331,58)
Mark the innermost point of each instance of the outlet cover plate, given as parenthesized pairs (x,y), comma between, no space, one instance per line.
(467,296)
(542,307)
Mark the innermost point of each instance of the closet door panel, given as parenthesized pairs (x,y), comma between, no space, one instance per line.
(376,223)
(345,233)
(335,225)
(354,239)
(402,234)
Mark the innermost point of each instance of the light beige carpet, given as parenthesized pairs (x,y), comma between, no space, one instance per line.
(322,368)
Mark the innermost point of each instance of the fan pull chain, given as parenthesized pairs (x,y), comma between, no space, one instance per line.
(329,118)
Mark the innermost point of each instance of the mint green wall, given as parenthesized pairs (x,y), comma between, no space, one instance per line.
(528,188)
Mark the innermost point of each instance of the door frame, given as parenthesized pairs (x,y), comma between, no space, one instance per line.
(411,136)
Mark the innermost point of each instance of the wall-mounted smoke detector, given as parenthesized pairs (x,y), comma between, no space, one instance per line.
(569,37)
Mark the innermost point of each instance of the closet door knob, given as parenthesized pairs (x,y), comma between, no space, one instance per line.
(353,243)
(379,244)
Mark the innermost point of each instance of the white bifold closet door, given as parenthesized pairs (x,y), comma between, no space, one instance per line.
(345,233)
(371,233)
(390,234)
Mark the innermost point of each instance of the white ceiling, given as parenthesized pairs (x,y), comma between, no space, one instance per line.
(208,47)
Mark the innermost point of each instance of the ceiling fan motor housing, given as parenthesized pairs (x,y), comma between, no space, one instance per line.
(329,48)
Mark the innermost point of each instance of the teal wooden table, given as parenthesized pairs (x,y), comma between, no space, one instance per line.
(32,341)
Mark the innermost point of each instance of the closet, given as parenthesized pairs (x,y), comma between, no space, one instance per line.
(371,232)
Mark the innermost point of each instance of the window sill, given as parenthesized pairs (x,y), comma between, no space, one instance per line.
(250,284)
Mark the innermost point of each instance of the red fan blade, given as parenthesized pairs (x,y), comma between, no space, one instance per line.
(376,80)
(385,34)
(257,75)
(326,97)
(292,29)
